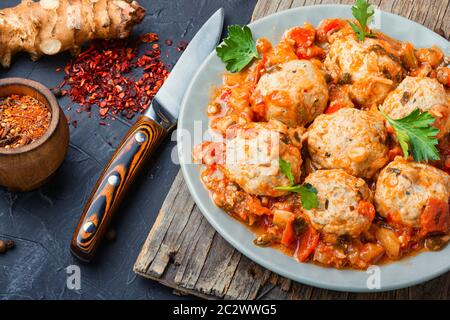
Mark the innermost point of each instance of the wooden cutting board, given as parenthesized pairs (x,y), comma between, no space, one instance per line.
(185,253)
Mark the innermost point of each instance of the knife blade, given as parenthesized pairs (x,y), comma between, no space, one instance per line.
(172,92)
(140,142)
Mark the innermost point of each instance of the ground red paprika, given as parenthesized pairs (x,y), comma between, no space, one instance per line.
(23,119)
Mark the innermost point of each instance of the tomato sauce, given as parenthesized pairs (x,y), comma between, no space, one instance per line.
(279,222)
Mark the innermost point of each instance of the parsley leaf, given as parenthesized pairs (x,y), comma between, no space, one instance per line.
(308,194)
(363,12)
(416,132)
(238,49)
(286,169)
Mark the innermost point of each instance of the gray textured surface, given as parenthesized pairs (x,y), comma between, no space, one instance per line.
(42,222)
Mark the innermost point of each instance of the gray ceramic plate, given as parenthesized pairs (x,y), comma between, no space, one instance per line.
(396,275)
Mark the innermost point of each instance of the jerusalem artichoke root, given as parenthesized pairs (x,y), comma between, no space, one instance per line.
(52,26)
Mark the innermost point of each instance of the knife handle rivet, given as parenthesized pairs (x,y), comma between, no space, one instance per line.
(89,227)
(113,180)
(139,137)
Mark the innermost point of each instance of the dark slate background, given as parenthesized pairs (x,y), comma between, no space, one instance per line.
(42,222)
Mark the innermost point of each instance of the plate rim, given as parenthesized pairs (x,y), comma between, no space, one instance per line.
(252,255)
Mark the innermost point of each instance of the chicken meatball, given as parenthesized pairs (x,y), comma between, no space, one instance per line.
(404,189)
(367,67)
(252,157)
(426,94)
(345,207)
(349,139)
(294,93)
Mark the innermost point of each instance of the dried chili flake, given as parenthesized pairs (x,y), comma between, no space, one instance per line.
(99,76)
(182,45)
(103,111)
(149,37)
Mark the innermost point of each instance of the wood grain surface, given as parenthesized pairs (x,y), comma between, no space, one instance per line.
(185,253)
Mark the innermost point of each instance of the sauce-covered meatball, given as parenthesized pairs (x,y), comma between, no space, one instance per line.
(367,67)
(404,190)
(252,157)
(344,203)
(293,93)
(349,139)
(426,94)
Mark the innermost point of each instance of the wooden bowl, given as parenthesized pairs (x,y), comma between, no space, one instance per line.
(28,167)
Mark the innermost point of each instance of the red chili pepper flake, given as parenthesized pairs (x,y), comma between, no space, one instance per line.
(58,69)
(169,42)
(98,76)
(149,37)
(182,45)
(103,111)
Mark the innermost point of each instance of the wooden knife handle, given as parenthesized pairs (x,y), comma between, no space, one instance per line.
(140,142)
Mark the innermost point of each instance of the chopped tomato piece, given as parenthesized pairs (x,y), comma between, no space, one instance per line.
(433,74)
(303,36)
(233,79)
(393,218)
(432,56)
(257,72)
(367,209)
(263,45)
(329,26)
(225,95)
(398,226)
(393,153)
(408,56)
(288,233)
(443,76)
(442,115)
(390,130)
(255,207)
(435,217)
(447,163)
(307,244)
(259,110)
(333,107)
(310,52)
(209,153)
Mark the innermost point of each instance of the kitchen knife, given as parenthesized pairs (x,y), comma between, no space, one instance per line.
(141,141)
